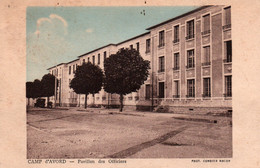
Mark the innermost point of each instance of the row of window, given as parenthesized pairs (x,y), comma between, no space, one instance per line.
(191,88)
(190,33)
(137,46)
(191,59)
(98,58)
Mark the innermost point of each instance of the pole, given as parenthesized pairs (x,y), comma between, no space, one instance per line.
(152,69)
(55,88)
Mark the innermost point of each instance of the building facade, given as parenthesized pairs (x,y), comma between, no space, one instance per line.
(191,64)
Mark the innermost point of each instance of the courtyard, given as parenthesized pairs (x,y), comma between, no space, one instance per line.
(107,133)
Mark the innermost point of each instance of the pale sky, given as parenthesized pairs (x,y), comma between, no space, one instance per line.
(61,34)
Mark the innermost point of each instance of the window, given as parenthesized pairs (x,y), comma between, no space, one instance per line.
(105,55)
(206,87)
(228,51)
(227,18)
(98,59)
(176,34)
(137,46)
(161,64)
(57,72)
(93,59)
(52,72)
(161,38)
(228,86)
(191,88)
(206,56)
(148,45)
(83,61)
(190,59)
(147,92)
(161,89)
(131,46)
(73,68)
(176,61)
(190,30)
(88,59)
(206,24)
(176,90)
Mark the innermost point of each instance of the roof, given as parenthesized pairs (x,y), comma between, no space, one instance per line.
(55,66)
(180,16)
(133,38)
(113,44)
(96,50)
(72,61)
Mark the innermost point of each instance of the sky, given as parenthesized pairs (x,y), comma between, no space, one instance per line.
(60,34)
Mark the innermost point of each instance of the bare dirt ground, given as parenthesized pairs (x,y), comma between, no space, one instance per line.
(102,134)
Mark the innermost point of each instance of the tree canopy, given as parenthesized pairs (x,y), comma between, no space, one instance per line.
(88,79)
(125,72)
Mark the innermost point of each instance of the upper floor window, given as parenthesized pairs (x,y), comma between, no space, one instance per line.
(73,68)
(206,24)
(161,38)
(190,59)
(137,46)
(88,59)
(161,64)
(98,59)
(176,37)
(176,61)
(83,61)
(131,46)
(93,59)
(228,51)
(190,29)
(206,56)
(69,70)
(148,45)
(105,55)
(227,18)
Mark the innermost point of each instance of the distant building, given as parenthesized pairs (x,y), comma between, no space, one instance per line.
(191,63)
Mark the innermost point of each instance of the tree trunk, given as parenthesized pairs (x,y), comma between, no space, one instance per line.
(28,101)
(79,100)
(93,99)
(86,97)
(121,102)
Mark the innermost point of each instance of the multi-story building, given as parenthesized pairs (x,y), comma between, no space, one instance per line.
(191,63)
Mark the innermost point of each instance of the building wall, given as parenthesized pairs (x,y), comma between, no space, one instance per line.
(216,70)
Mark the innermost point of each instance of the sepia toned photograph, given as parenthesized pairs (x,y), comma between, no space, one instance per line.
(133,82)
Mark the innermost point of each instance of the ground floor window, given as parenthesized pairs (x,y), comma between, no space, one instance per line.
(190,88)
(176,90)
(228,86)
(161,89)
(206,87)
(147,92)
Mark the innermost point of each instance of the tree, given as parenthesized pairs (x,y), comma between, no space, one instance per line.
(37,89)
(88,79)
(48,86)
(125,72)
(29,91)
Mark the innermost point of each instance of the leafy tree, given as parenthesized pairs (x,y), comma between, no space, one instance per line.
(29,91)
(125,72)
(48,86)
(88,79)
(37,89)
